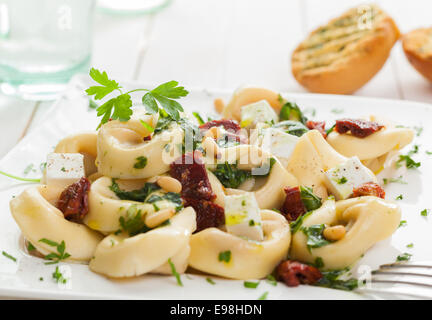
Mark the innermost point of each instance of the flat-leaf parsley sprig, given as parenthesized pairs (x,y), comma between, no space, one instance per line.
(161,98)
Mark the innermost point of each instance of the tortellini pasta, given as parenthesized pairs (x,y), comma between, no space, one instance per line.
(311,157)
(367,221)
(124,256)
(39,219)
(84,143)
(268,190)
(123,152)
(248,259)
(106,208)
(374,149)
(247,95)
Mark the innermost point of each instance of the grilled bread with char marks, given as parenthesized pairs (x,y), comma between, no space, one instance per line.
(343,55)
(417,45)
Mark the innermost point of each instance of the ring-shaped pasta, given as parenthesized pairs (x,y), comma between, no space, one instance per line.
(268,194)
(123,256)
(217,188)
(373,146)
(105,208)
(121,145)
(248,95)
(248,259)
(84,143)
(367,220)
(38,218)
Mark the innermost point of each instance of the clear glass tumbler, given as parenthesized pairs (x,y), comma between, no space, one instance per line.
(43,43)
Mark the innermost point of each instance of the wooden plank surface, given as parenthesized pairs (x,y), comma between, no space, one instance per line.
(225,44)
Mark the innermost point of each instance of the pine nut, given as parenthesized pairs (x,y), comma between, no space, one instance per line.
(211,147)
(156,218)
(169,184)
(219,105)
(334,233)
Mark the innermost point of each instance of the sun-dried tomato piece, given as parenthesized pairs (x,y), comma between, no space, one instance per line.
(293,206)
(73,201)
(234,130)
(294,273)
(190,170)
(359,128)
(318,125)
(148,138)
(369,189)
(208,214)
(227,124)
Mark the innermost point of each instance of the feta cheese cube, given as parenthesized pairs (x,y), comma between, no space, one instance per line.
(256,112)
(278,143)
(63,169)
(342,179)
(242,216)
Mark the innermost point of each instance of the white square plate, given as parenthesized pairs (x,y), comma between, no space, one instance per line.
(71,114)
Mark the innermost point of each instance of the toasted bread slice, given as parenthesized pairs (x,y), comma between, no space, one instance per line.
(417,45)
(343,55)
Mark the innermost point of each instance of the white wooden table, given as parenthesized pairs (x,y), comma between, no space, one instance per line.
(223,44)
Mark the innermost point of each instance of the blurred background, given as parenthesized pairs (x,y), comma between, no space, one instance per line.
(213,44)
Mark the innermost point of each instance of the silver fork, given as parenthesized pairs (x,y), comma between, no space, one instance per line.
(413,279)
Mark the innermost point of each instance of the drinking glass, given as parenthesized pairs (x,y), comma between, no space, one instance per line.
(132,6)
(43,43)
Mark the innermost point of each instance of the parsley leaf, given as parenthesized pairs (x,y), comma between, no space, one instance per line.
(119,107)
(107,85)
(7,255)
(250,284)
(55,257)
(58,276)
(309,199)
(133,222)
(139,195)
(404,257)
(225,256)
(315,238)
(141,162)
(175,273)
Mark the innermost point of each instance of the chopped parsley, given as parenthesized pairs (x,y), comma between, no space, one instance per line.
(409,162)
(292,127)
(404,257)
(315,238)
(342,180)
(61,251)
(7,255)
(394,180)
(250,284)
(271,280)
(139,195)
(331,279)
(424,212)
(175,273)
(29,168)
(140,163)
(263,296)
(403,223)
(410,245)
(230,176)
(133,222)
(210,280)
(198,117)
(148,127)
(309,199)
(319,263)
(337,111)
(58,276)
(296,225)
(399,197)
(30,246)
(225,256)
(291,111)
